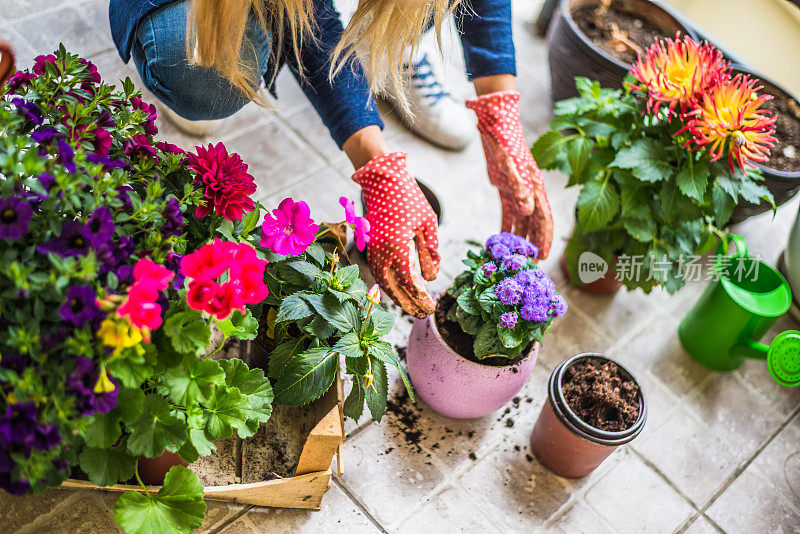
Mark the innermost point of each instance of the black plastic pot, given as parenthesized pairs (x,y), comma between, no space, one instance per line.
(783,185)
(571,53)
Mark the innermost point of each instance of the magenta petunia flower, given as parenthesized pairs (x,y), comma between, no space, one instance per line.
(15,216)
(225,181)
(360,225)
(290,229)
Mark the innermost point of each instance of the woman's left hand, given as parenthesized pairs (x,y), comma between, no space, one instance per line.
(512,169)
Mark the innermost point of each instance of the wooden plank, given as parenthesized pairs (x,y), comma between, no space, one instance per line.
(322,444)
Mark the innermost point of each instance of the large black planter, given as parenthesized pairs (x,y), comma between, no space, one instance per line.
(783,185)
(572,53)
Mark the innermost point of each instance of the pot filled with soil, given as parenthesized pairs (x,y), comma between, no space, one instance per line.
(600,40)
(593,406)
(782,170)
(450,379)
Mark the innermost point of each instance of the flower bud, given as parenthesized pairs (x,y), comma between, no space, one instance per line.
(368,378)
(374,295)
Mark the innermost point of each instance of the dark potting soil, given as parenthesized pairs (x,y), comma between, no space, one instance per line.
(600,395)
(785,154)
(460,341)
(618,33)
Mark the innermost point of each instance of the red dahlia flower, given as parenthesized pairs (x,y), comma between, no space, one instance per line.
(226,183)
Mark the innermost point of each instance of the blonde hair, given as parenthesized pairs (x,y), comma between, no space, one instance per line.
(382,34)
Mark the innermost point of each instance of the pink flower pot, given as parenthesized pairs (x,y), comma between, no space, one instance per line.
(455,386)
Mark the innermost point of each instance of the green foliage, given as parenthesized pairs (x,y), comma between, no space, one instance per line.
(642,193)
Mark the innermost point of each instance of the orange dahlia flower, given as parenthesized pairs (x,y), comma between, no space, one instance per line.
(730,120)
(678,72)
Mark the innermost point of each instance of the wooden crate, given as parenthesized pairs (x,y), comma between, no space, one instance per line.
(313,475)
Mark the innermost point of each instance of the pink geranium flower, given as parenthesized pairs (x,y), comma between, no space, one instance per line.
(226,183)
(290,229)
(140,306)
(150,274)
(360,225)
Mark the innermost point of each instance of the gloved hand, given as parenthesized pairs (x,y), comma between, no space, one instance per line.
(398,212)
(512,170)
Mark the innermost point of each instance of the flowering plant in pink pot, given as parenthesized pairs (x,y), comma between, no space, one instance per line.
(477,350)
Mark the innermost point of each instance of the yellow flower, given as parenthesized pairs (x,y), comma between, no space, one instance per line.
(104,384)
(730,121)
(119,333)
(678,72)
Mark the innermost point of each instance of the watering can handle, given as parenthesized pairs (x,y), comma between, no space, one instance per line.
(6,61)
(741,247)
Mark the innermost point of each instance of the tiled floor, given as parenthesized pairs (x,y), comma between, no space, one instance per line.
(721,452)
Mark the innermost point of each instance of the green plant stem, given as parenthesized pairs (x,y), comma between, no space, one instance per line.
(139,480)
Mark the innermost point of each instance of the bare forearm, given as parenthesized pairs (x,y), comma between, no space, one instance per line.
(364,145)
(495,83)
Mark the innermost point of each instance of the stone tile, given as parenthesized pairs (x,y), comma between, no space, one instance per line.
(88,513)
(338,513)
(738,416)
(290,96)
(21,511)
(63,26)
(23,52)
(217,513)
(96,11)
(749,505)
(307,124)
(276,156)
(377,455)
(250,118)
(579,519)
(321,191)
(452,510)
(631,488)
(524,494)
(702,525)
(696,461)
(779,462)
(15,9)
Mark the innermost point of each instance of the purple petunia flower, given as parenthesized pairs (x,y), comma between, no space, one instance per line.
(499,251)
(46,136)
(122,193)
(14,362)
(73,241)
(80,306)
(19,79)
(508,319)
(508,291)
(107,162)
(15,217)
(80,384)
(173,263)
(514,262)
(105,120)
(100,227)
(534,313)
(173,218)
(488,268)
(28,110)
(67,155)
(139,145)
(558,306)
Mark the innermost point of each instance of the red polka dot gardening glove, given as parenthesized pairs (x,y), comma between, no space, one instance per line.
(512,170)
(398,213)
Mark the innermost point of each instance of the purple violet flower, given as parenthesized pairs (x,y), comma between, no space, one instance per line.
(508,291)
(100,227)
(173,218)
(139,145)
(173,263)
(73,241)
(46,136)
(28,110)
(81,383)
(15,217)
(67,155)
(508,319)
(80,306)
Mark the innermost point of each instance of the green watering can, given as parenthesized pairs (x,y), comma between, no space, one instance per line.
(735,311)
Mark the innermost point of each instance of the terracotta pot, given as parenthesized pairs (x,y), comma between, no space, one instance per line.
(6,61)
(608,285)
(564,443)
(571,53)
(153,470)
(455,386)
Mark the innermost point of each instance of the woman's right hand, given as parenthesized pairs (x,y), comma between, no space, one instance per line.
(399,213)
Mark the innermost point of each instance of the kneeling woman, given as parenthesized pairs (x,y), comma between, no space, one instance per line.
(204,59)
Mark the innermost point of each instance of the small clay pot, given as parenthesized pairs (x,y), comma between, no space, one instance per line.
(153,470)
(455,386)
(565,444)
(608,285)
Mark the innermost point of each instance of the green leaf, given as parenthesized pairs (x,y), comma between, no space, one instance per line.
(293,307)
(385,353)
(722,203)
(156,429)
(578,154)
(354,403)
(346,275)
(306,268)
(377,392)
(598,203)
(466,301)
(193,380)
(549,147)
(104,428)
(692,179)
(487,299)
(317,253)
(226,408)
(177,508)
(640,229)
(754,192)
(382,321)
(350,346)
(255,386)
(510,337)
(647,158)
(344,316)
(188,332)
(244,327)
(107,466)
(487,343)
(250,221)
(282,354)
(469,323)
(306,377)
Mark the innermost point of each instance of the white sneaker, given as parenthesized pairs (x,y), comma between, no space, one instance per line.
(191,128)
(433,113)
